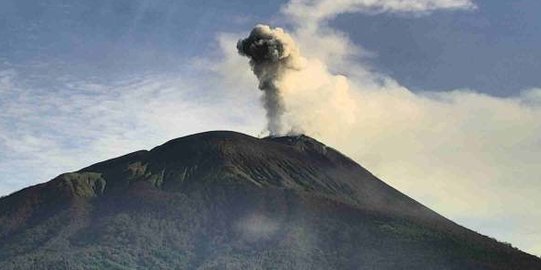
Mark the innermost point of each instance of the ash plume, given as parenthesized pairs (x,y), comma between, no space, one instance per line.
(272,53)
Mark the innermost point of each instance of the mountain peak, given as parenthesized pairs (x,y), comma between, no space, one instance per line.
(225,198)
(226,140)
(215,157)
(301,142)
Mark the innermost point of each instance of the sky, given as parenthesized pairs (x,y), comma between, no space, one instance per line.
(439,98)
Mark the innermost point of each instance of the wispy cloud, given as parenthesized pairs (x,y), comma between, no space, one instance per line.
(473,157)
(70,124)
(304,11)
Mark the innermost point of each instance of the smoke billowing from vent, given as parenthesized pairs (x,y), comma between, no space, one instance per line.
(300,94)
(272,53)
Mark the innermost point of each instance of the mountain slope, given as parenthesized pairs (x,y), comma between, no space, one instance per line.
(224,200)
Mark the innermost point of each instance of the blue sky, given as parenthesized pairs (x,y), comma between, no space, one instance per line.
(493,49)
(448,94)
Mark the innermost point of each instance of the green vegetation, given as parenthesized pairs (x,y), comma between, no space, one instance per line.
(229,201)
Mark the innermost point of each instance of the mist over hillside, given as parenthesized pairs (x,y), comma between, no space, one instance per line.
(225,200)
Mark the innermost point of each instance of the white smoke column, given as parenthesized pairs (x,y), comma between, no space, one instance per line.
(300,94)
(272,53)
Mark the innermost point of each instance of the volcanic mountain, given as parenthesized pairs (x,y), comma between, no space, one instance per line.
(224,200)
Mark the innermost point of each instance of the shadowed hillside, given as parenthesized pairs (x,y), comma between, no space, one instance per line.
(224,200)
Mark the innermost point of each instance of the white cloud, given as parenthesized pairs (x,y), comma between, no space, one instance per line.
(470,156)
(303,11)
(6,78)
(47,131)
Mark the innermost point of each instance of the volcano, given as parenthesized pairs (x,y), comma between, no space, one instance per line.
(225,200)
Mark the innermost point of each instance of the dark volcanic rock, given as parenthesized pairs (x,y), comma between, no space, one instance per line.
(224,200)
